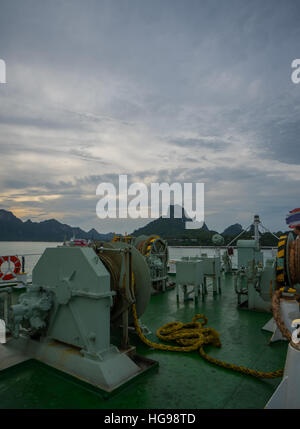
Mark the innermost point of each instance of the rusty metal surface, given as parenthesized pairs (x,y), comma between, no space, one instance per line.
(294,261)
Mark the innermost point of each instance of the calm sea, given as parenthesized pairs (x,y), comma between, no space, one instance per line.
(31,250)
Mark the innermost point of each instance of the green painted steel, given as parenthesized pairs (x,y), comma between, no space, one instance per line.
(182,380)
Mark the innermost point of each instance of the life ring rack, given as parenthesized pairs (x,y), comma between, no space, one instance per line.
(10,273)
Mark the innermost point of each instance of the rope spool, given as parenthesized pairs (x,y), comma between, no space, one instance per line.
(144,247)
(294,261)
(288,261)
(113,262)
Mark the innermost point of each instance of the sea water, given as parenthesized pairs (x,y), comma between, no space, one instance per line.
(31,251)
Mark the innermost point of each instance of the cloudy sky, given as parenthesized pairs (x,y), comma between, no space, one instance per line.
(160,90)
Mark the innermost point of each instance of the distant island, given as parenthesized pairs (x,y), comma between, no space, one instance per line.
(14,229)
(171,229)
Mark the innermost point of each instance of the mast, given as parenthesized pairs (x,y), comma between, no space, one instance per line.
(256,222)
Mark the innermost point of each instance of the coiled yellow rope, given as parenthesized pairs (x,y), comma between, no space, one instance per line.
(193,336)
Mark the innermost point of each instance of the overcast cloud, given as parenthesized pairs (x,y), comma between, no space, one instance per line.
(161,90)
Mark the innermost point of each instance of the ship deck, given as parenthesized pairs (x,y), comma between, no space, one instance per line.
(182,380)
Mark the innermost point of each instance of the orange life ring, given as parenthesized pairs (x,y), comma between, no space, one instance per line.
(17,269)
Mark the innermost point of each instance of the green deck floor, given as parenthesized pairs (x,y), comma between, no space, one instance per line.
(182,380)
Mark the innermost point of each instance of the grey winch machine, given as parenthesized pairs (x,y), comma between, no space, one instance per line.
(258,282)
(79,301)
(253,279)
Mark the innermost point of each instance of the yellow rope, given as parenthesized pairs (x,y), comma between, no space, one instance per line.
(193,336)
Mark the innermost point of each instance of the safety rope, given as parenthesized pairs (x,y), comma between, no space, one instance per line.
(277,316)
(193,336)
